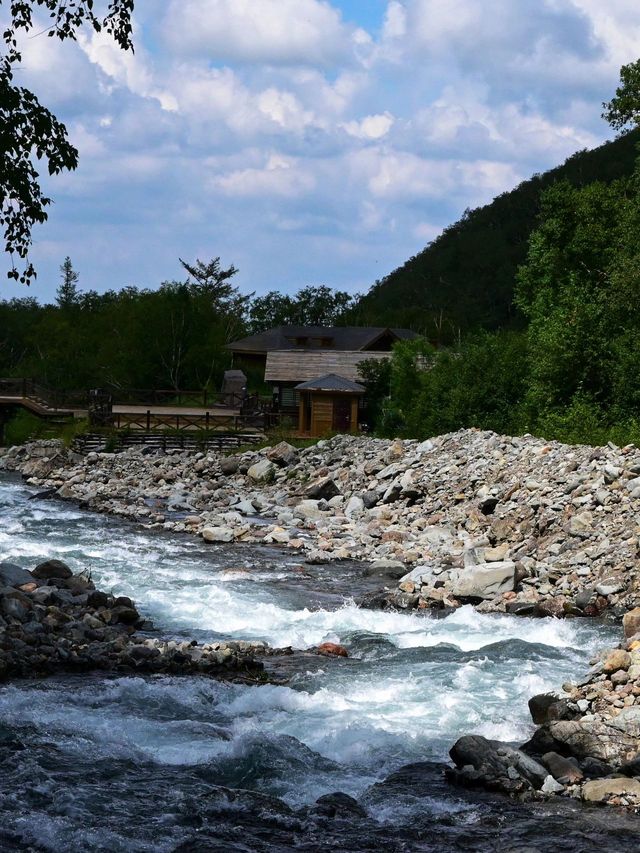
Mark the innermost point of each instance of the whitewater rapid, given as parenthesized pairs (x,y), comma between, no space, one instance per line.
(413,683)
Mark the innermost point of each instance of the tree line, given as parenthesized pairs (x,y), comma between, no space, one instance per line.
(170,337)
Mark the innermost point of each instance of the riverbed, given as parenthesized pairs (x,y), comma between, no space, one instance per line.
(152,763)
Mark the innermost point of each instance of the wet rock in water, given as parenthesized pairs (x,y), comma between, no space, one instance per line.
(71,627)
(495,765)
(52,569)
(12,575)
(338,805)
(603,790)
(218,534)
(545,707)
(332,650)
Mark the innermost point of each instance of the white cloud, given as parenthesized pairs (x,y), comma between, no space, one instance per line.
(370,127)
(289,32)
(280,176)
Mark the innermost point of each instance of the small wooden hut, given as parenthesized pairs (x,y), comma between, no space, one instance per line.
(329,404)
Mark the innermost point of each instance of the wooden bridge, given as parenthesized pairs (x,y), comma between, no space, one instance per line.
(42,401)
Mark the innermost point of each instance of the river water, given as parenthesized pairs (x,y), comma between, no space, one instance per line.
(166,763)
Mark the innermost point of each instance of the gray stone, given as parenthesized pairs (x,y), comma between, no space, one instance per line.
(218,534)
(485,581)
(12,575)
(601,790)
(229,465)
(370,498)
(282,454)
(322,489)
(355,505)
(389,568)
(310,510)
(261,471)
(52,569)
(245,507)
(550,786)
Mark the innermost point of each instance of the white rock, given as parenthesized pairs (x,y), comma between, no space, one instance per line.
(218,534)
(484,581)
(355,505)
(262,470)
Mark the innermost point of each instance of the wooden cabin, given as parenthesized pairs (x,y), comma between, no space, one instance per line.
(330,403)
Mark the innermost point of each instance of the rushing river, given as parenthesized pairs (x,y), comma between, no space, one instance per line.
(144,763)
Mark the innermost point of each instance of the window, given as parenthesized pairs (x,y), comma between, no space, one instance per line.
(289,398)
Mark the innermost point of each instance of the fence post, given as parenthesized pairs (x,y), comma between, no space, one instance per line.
(148,420)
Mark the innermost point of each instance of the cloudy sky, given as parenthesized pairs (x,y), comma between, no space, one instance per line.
(310,141)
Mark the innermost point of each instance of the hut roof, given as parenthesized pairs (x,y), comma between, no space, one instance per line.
(300,366)
(321,337)
(331,382)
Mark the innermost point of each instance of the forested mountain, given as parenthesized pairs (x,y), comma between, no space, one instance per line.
(465,279)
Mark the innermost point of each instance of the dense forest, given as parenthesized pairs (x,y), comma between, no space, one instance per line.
(465,279)
(172,337)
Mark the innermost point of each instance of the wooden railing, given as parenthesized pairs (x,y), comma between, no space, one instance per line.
(230,411)
(52,398)
(175,397)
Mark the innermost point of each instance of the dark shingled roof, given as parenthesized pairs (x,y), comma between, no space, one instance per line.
(342,338)
(331,382)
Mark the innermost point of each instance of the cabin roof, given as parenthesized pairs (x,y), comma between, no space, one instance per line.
(331,382)
(318,337)
(302,365)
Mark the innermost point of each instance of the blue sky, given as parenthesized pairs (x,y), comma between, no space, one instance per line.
(310,141)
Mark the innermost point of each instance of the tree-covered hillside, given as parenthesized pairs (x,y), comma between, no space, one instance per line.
(465,279)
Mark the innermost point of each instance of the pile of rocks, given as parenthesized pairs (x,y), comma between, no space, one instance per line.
(510,524)
(587,745)
(54,621)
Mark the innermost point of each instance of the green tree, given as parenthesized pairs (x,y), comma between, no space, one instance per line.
(67,293)
(310,306)
(623,110)
(28,130)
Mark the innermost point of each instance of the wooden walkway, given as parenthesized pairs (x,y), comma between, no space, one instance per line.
(136,411)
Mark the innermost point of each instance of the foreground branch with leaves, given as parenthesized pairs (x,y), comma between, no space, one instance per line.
(29,132)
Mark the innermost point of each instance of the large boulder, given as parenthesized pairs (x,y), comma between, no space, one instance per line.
(601,790)
(309,510)
(52,569)
(282,454)
(595,739)
(218,534)
(496,763)
(324,488)
(12,575)
(486,580)
(261,471)
(631,622)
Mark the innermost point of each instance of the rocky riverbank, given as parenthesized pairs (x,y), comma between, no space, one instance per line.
(510,524)
(54,621)
(587,745)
